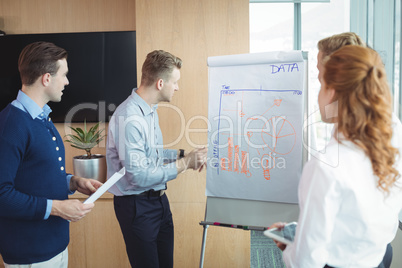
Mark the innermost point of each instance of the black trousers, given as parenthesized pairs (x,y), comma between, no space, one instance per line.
(147,227)
(386,261)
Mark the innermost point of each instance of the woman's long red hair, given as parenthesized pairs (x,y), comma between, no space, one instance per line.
(358,77)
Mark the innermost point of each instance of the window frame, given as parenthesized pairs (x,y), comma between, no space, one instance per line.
(375,21)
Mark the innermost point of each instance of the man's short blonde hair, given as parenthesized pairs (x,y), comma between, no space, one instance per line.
(159,64)
(331,44)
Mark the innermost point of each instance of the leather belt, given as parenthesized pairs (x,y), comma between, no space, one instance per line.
(153,193)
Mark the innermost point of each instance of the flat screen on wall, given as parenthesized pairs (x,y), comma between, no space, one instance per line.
(102,72)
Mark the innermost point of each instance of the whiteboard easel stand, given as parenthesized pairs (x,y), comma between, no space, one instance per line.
(243,211)
(244,214)
(204,240)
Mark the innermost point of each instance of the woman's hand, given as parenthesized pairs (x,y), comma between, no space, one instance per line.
(279,225)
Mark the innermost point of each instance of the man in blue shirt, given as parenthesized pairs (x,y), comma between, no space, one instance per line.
(135,142)
(34,207)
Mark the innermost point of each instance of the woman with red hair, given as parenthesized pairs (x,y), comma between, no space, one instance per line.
(350,196)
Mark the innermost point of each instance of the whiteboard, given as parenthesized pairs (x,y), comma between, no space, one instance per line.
(256,110)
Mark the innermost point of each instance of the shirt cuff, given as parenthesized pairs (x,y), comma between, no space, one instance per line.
(50,202)
(69,176)
(48,209)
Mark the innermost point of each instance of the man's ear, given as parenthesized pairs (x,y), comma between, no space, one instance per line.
(159,84)
(46,78)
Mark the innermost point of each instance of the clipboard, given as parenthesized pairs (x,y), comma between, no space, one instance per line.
(109,183)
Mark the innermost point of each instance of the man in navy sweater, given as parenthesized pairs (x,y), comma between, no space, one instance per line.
(34,207)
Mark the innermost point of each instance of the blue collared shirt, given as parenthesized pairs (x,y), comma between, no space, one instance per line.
(27,105)
(135,142)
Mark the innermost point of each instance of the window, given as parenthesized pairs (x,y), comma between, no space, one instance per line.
(398,57)
(271,27)
(286,26)
(379,24)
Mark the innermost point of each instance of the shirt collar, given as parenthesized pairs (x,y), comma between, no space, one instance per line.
(31,107)
(145,108)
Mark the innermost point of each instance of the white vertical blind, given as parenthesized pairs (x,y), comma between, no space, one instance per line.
(379,24)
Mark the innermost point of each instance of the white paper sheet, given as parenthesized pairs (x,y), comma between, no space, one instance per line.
(109,183)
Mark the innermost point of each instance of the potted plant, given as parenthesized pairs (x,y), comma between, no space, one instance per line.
(89,165)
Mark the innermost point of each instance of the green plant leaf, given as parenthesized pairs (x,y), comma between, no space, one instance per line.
(85,140)
(73,138)
(79,132)
(89,137)
(94,128)
(85,129)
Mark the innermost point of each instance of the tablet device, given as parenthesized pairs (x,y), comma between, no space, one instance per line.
(285,235)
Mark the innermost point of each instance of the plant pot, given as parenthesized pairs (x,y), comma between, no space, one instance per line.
(93,168)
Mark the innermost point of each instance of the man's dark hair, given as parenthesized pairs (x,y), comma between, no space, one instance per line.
(37,59)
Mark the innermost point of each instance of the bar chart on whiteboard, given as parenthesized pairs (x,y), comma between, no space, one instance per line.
(256,104)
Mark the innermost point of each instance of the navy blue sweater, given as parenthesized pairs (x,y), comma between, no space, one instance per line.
(32,170)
